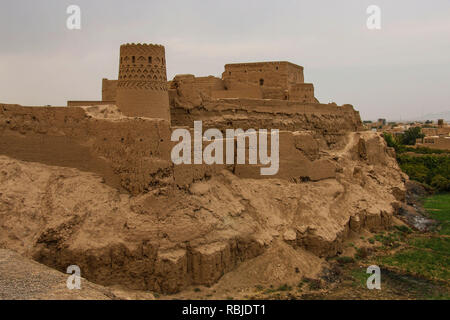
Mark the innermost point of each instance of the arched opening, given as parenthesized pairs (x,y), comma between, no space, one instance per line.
(149,59)
(133,59)
(261,82)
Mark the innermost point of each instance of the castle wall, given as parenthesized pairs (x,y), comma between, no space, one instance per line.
(188,90)
(139,102)
(133,154)
(328,122)
(80,103)
(142,85)
(303,92)
(294,74)
(129,154)
(207,85)
(109,89)
(271,74)
(299,158)
(250,92)
(184,90)
(274,93)
(262,80)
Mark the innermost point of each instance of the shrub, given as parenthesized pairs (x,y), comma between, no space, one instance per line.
(403,229)
(440,183)
(345,259)
(362,253)
(392,142)
(284,287)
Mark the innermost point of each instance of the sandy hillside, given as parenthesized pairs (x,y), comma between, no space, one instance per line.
(243,231)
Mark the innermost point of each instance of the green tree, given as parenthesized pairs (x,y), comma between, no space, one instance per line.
(410,136)
(393,142)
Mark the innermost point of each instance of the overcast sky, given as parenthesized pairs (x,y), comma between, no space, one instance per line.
(398,72)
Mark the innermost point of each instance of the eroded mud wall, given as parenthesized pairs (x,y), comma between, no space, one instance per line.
(133,154)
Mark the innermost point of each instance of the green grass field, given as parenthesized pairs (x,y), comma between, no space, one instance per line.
(438,208)
(427,255)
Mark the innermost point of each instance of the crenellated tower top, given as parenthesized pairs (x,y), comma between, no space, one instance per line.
(142,85)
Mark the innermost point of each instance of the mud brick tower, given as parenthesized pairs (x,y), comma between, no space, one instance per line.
(142,85)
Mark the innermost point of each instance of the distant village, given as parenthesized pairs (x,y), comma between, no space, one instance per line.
(436,135)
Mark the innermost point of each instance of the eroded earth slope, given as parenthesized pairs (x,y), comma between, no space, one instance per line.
(218,227)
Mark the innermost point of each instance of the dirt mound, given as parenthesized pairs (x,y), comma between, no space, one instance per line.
(280,264)
(21,278)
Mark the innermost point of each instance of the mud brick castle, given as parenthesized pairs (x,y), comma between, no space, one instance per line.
(125,137)
(95,186)
(139,110)
(142,88)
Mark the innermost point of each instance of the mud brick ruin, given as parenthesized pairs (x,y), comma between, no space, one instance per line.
(143,67)
(92,184)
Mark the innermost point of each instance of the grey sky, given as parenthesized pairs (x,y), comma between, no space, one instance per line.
(400,71)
